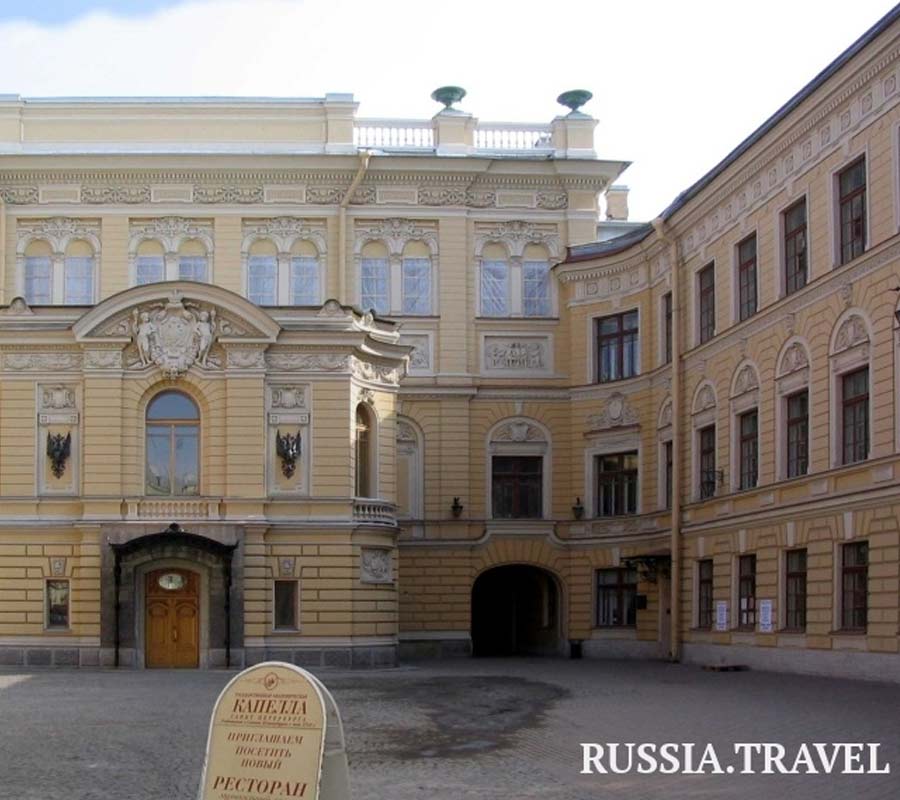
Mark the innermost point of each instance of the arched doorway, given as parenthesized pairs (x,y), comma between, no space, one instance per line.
(516,610)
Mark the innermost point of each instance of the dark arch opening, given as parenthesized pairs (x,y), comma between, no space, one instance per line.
(516,611)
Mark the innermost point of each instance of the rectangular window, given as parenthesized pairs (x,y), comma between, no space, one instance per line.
(797,434)
(705,593)
(494,288)
(795,590)
(376,285)
(304,281)
(667,327)
(38,280)
(706,287)
(795,260)
(747,592)
(262,280)
(535,288)
(517,487)
(79,280)
(616,591)
(852,203)
(617,484)
(285,617)
(855,417)
(668,447)
(749,448)
(747,277)
(58,604)
(192,268)
(854,585)
(149,269)
(617,347)
(707,438)
(416,285)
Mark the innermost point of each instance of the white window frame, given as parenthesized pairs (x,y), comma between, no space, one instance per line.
(543,449)
(695,295)
(283,265)
(785,386)
(735,277)
(515,291)
(593,375)
(834,218)
(661,336)
(611,444)
(781,266)
(700,420)
(57,275)
(840,364)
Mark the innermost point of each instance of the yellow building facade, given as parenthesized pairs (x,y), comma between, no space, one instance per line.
(277,381)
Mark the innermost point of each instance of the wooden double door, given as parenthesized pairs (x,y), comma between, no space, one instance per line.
(172,625)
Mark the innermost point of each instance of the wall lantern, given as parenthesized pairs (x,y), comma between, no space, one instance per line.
(456,508)
(578,509)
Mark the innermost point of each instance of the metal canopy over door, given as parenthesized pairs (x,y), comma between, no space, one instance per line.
(173,619)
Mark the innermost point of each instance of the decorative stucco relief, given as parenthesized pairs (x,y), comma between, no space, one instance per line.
(420,357)
(516,354)
(396,233)
(518,431)
(287,361)
(285,231)
(794,359)
(46,361)
(375,565)
(615,412)
(853,331)
(58,232)
(516,235)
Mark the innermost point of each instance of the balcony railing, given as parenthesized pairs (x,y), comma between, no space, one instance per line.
(402,134)
(374,511)
(419,134)
(512,136)
(172,508)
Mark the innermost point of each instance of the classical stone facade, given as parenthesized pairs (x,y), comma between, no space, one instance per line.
(372,388)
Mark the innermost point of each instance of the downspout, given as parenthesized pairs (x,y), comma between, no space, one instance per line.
(659,226)
(364,157)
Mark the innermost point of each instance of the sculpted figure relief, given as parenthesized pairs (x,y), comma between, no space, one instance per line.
(174,335)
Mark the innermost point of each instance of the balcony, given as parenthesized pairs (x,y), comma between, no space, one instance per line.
(172,508)
(374,512)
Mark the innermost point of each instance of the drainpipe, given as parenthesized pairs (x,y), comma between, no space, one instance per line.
(364,157)
(660,227)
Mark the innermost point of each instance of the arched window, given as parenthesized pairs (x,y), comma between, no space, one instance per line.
(193,262)
(38,283)
(535,282)
(365,448)
(78,274)
(375,278)
(149,263)
(416,279)
(262,273)
(410,471)
(305,284)
(495,288)
(173,445)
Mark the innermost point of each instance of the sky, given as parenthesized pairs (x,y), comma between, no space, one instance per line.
(676,85)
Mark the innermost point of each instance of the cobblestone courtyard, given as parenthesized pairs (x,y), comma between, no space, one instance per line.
(449,730)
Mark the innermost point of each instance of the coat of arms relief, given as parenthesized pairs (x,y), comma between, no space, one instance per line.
(174,335)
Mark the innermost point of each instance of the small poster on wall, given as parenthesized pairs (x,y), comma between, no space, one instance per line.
(765,616)
(721,615)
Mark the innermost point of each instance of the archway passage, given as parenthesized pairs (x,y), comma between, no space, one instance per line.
(516,611)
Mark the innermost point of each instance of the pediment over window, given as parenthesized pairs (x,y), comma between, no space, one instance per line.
(851,332)
(745,380)
(518,431)
(704,399)
(794,359)
(615,412)
(176,325)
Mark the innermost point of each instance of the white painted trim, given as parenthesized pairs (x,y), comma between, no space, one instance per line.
(610,443)
(850,156)
(543,449)
(735,275)
(593,373)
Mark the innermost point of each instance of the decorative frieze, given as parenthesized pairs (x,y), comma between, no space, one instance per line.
(377,373)
(287,361)
(285,231)
(516,355)
(396,233)
(103,359)
(58,232)
(54,361)
(170,232)
(245,358)
(516,235)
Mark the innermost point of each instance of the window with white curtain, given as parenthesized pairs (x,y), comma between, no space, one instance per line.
(536,288)
(38,280)
(305,281)
(262,280)
(416,276)
(494,288)
(375,291)
(149,269)
(192,268)
(78,285)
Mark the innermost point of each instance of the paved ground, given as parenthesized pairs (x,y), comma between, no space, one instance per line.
(491,730)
